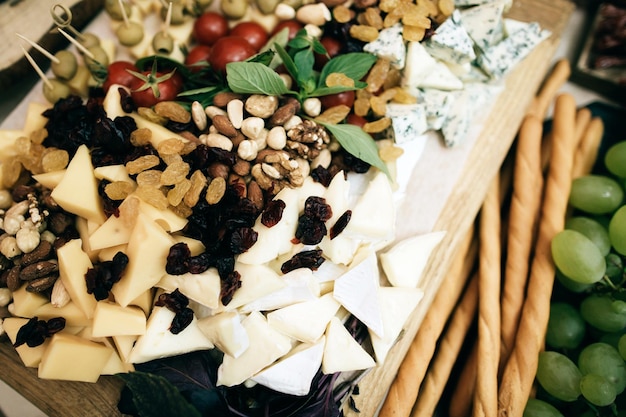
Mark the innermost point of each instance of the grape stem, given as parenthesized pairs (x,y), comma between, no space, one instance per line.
(607,281)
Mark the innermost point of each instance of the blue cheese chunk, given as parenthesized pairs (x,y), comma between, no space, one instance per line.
(389,45)
(419,64)
(441,78)
(502,57)
(451,42)
(438,104)
(457,123)
(484,24)
(408,121)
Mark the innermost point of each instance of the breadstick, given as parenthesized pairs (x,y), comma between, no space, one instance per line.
(486,394)
(463,394)
(523,213)
(405,387)
(558,76)
(521,367)
(583,118)
(587,151)
(448,352)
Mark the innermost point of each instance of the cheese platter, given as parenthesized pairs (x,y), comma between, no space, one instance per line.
(445,203)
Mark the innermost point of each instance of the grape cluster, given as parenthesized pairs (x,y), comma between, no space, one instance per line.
(583,370)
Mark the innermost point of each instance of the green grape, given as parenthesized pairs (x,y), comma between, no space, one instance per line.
(617,230)
(604,360)
(597,390)
(566,327)
(604,313)
(577,257)
(614,268)
(559,376)
(539,408)
(597,194)
(593,230)
(621,346)
(571,285)
(615,159)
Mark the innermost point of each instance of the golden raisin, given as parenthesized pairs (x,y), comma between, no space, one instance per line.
(216,190)
(176,194)
(364,33)
(377,75)
(413,33)
(54,160)
(149,177)
(361,106)
(175,173)
(373,18)
(342,14)
(119,190)
(140,137)
(198,182)
(446,7)
(377,126)
(170,146)
(142,163)
(334,114)
(339,79)
(153,196)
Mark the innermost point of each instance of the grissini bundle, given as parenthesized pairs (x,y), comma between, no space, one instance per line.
(587,150)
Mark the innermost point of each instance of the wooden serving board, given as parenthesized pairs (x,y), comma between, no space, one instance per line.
(481,158)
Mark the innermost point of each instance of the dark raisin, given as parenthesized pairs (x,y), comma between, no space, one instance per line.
(311,259)
(317,208)
(35,331)
(242,239)
(230,284)
(181,320)
(273,212)
(310,231)
(340,224)
(101,278)
(321,175)
(111,207)
(175,301)
(200,263)
(178,259)
(55,325)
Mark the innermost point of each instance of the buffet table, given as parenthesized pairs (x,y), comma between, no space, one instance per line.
(458,176)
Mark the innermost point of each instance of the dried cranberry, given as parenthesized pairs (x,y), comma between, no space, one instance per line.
(311,259)
(310,230)
(317,208)
(321,175)
(242,239)
(35,331)
(230,284)
(340,224)
(273,212)
(178,259)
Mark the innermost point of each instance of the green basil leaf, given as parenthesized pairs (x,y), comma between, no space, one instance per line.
(354,65)
(357,142)
(318,47)
(264,57)
(299,43)
(155,396)
(290,66)
(254,78)
(304,61)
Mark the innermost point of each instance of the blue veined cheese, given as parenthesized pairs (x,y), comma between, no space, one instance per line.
(475,75)
(438,104)
(441,78)
(389,45)
(500,58)
(408,121)
(419,64)
(484,24)
(451,42)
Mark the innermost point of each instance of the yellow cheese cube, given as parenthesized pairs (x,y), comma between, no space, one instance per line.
(78,190)
(79,84)
(25,303)
(112,319)
(73,315)
(73,264)
(112,173)
(83,226)
(167,219)
(144,301)
(34,119)
(30,356)
(7,139)
(50,179)
(116,365)
(113,232)
(123,345)
(73,358)
(107,254)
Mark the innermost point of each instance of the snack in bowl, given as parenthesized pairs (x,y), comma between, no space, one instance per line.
(238,228)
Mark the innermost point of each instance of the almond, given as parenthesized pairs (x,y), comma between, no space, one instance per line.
(224,126)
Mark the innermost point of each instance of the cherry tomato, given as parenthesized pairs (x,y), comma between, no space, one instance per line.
(169,85)
(117,74)
(253,32)
(197,56)
(333,47)
(356,120)
(346,98)
(293,25)
(209,27)
(229,49)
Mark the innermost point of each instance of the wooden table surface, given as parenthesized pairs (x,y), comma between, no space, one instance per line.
(73,399)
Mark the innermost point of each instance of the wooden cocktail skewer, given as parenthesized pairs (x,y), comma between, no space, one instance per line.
(39,48)
(77,44)
(53,89)
(129,33)
(64,65)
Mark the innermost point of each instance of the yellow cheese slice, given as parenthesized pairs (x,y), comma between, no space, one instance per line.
(30,356)
(73,265)
(111,319)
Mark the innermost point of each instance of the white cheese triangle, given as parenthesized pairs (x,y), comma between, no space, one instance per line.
(226,332)
(266,345)
(294,373)
(419,63)
(300,285)
(397,304)
(405,261)
(159,342)
(203,288)
(342,353)
(256,281)
(305,321)
(442,78)
(357,291)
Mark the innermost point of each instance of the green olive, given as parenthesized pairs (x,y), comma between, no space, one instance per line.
(267,6)
(55,90)
(67,66)
(178,14)
(99,61)
(112,7)
(234,9)
(163,43)
(88,40)
(203,4)
(131,34)
(296,4)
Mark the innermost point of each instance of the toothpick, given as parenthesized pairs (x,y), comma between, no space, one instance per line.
(168,18)
(77,44)
(64,23)
(37,69)
(40,49)
(123,10)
